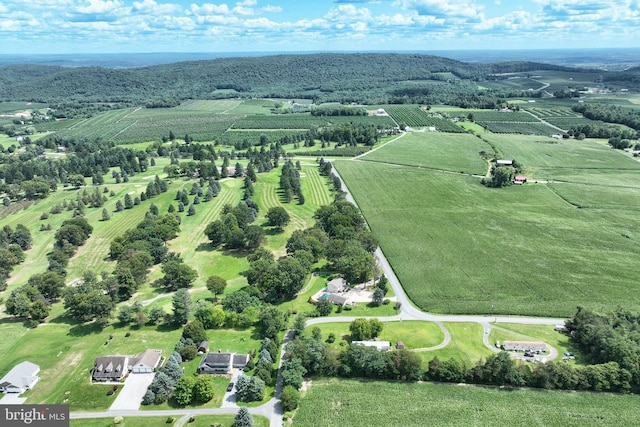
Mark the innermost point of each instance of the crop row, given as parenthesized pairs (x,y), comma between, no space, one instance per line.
(558,112)
(520,128)
(502,116)
(414,116)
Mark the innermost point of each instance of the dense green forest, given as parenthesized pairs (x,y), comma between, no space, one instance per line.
(365,78)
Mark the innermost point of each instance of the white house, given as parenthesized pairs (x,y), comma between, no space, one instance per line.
(337,285)
(20,378)
(146,362)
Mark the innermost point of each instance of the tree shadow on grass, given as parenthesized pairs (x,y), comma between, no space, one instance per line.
(84,329)
(167,327)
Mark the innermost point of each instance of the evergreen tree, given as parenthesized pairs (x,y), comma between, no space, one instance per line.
(243,418)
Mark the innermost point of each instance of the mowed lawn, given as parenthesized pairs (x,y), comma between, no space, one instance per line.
(435,150)
(355,403)
(459,247)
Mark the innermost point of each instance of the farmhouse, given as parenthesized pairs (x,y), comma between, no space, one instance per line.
(222,363)
(110,368)
(378,345)
(145,362)
(20,378)
(535,347)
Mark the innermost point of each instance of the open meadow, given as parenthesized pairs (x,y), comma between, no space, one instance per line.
(355,403)
(435,150)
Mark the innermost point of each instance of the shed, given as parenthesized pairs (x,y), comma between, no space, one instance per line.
(503,162)
(203,347)
(400,345)
(339,300)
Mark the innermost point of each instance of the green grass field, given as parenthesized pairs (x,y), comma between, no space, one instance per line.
(414,334)
(435,150)
(354,403)
(519,250)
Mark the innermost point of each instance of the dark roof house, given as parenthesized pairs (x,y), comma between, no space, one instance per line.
(110,368)
(20,378)
(222,363)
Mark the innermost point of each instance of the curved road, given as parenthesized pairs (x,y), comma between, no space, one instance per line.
(273,410)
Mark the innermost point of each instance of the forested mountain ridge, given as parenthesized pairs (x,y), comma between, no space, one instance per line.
(366,77)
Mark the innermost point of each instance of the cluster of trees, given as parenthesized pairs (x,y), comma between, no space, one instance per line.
(139,248)
(29,174)
(290,182)
(350,134)
(601,130)
(91,299)
(162,103)
(339,111)
(13,243)
(620,143)
(72,234)
(33,300)
(140,315)
(350,244)
(609,338)
(610,114)
(501,369)
(278,280)
(502,176)
(234,229)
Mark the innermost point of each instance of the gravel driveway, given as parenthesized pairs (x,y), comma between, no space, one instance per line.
(135,386)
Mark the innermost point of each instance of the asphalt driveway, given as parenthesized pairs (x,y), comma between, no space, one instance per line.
(135,386)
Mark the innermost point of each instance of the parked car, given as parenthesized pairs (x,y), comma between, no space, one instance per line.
(230,386)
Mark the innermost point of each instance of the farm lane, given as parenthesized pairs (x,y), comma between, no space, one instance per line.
(545,122)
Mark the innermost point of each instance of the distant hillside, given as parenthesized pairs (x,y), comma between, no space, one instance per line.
(367,77)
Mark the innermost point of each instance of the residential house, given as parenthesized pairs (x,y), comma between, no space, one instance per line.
(110,368)
(339,300)
(337,285)
(145,362)
(378,345)
(222,363)
(20,378)
(534,347)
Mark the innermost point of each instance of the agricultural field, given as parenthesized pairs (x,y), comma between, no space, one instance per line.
(331,402)
(435,150)
(416,117)
(539,154)
(460,252)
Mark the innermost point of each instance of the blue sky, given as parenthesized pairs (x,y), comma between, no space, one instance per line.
(113,26)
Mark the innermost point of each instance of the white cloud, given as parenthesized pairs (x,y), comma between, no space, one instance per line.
(443,8)
(99,7)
